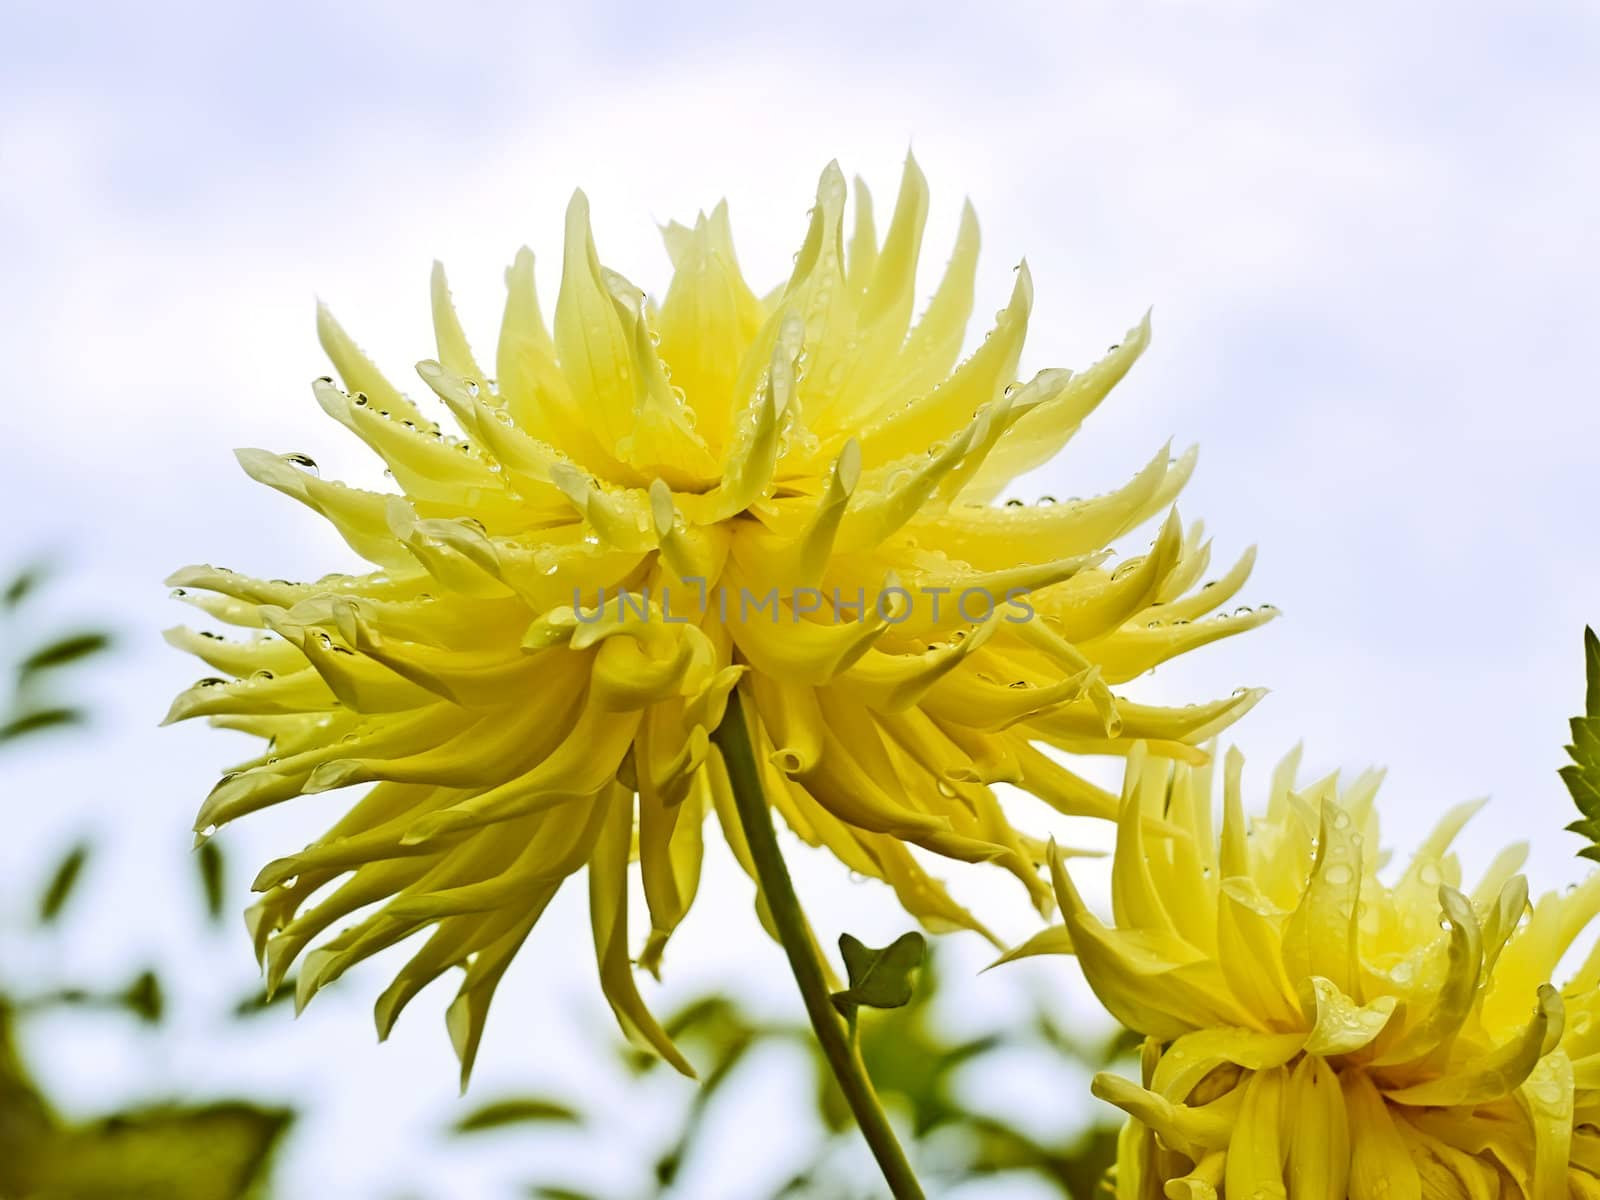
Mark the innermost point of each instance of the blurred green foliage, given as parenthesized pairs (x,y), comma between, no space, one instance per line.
(914,1065)
(157,1151)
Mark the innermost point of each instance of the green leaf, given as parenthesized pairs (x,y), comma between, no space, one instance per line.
(1582,775)
(259,1001)
(144,997)
(208,862)
(522,1110)
(878,978)
(62,881)
(216,1152)
(38,719)
(22,586)
(62,651)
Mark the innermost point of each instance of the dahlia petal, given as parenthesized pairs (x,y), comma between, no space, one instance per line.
(934,343)
(454,351)
(1452,1005)
(1547,1095)
(861,256)
(989,536)
(358,515)
(1255,1151)
(1041,435)
(1496,1072)
(884,311)
(1135,900)
(1054,940)
(1202,1183)
(590,340)
(1319,1137)
(1194,1058)
(608,911)
(951,405)
(1340,1025)
(1191,1131)
(526,373)
(1320,938)
(357,370)
(708,319)
(671,846)
(1380,1165)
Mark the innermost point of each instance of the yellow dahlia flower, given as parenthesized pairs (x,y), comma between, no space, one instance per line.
(642,510)
(1315,1031)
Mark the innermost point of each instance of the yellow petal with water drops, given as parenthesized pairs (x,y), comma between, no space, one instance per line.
(1455,999)
(886,303)
(1338,1024)
(526,370)
(358,372)
(1547,1097)
(1320,938)
(591,342)
(1256,1151)
(1447,1173)
(1474,1078)
(989,536)
(952,404)
(1195,1056)
(1380,1163)
(455,353)
(1533,955)
(1044,432)
(708,318)
(1249,947)
(1319,1133)
(357,515)
(934,343)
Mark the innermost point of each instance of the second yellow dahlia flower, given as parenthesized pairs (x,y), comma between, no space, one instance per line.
(1316,1032)
(643,510)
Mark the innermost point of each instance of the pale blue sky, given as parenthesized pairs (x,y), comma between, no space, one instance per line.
(1368,236)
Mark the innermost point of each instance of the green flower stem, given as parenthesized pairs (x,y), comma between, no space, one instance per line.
(733,739)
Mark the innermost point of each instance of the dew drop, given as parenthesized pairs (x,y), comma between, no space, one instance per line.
(305,462)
